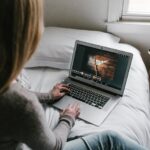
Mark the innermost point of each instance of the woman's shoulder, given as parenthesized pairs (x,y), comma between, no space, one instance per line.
(17,98)
(20,109)
(19,104)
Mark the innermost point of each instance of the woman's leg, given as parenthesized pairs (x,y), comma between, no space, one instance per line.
(107,140)
(77,144)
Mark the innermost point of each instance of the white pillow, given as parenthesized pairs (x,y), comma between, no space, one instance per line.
(56,46)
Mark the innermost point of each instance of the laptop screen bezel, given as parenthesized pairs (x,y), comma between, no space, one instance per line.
(92,83)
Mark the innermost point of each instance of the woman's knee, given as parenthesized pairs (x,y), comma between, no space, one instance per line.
(109,135)
(101,140)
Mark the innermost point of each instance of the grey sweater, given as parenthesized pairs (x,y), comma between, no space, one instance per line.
(22,120)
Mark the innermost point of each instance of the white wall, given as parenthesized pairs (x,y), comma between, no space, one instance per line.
(84,14)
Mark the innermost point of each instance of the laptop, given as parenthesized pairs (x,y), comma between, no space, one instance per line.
(97,79)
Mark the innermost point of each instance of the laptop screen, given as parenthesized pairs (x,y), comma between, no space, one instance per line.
(100,66)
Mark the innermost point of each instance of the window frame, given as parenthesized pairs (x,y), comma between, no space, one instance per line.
(125,7)
(114,10)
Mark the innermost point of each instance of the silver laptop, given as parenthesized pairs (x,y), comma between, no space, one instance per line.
(97,79)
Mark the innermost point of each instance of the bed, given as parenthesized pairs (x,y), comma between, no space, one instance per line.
(130,118)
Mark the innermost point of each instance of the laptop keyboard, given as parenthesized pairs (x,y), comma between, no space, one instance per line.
(87,96)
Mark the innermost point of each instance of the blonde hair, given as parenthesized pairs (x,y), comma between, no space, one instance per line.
(20,30)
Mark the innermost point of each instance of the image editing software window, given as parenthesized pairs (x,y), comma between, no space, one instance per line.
(100,66)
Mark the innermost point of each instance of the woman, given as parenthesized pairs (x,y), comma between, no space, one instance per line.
(21,114)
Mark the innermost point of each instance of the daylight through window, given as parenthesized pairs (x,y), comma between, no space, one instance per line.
(141,7)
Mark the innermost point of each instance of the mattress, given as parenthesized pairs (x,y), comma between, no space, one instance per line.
(130,118)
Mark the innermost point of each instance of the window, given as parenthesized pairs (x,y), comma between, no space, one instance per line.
(128,10)
(136,9)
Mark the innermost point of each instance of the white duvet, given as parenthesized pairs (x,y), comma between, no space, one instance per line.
(130,118)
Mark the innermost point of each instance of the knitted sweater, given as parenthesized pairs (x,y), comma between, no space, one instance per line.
(22,120)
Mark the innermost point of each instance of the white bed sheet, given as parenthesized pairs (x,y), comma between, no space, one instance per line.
(130,118)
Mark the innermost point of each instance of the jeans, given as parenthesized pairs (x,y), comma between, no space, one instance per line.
(107,140)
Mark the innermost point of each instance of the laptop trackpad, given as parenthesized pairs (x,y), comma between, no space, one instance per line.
(88,113)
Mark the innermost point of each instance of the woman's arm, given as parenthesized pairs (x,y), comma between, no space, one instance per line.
(58,91)
(31,126)
(44,97)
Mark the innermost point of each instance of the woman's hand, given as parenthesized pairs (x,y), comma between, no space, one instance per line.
(59,90)
(72,110)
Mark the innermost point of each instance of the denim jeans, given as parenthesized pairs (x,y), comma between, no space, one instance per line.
(107,140)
